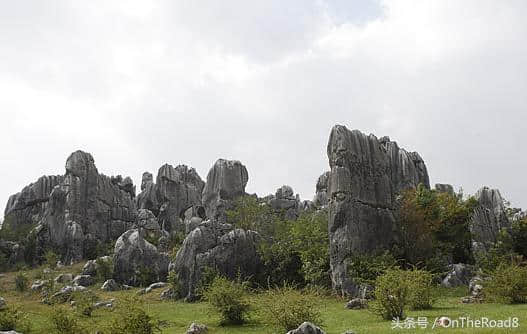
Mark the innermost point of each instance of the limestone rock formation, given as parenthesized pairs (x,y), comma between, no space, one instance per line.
(226,181)
(284,201)
(28,206)
(147,198)
(307,328)
(134,255)
(219,246)
(488,219)
(445,188)
(366,176)
(85,205)
(177,189)
(321,194)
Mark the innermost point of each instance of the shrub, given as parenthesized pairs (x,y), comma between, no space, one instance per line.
(64,323)
(285,308)
(208,275)
(392,294)
(173,280)
(146,276)
(51,259)
(364,269)
(421,289)
(508,284)
(104,269)
(84,302)
(133,319)
(14,320)
(228,298)
(21,282)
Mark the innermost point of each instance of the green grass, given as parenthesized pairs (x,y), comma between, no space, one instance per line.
(177,316)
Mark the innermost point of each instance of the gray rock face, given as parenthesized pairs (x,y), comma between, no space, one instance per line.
(445,188)
(307,328)
(459,274)
(218,246)
(70,209)
(147,198)
(366,176)
(284,201)
(226,181)
(133,254)
(488,219)
(321,194)
(83,280)
(197,329)
(28,206)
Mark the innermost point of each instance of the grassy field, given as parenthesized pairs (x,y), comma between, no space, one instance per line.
(177,316)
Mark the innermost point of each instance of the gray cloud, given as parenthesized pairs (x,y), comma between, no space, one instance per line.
(139,84)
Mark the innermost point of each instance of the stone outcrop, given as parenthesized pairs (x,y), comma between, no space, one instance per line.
(29,205)
(460,274)
(285,202)
(488,219)
(226,181)
(176,190)
(134,256)
(218,246)
(367,174)
(321,193)
(85,205)
(445,188)
(307,328)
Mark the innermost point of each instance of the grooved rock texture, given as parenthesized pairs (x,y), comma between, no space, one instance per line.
(133,255)
(219,246)
(28,206)
(366,176)
(488,219)
(321,194)
(176,190)
(226,181)
(79,206)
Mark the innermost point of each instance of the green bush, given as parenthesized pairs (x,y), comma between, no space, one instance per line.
(392,294)
(84,302)
(21,282)
(422,291)
(146,276)
(104,269)
(229,299)
(508,284)
(175,284)
(286,308)
(62,322)
(51,259)
(14,320)
(132,319)
(364,269)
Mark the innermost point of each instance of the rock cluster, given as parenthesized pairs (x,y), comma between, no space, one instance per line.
(366,176)
(445,188)
(321,193)
(488,219)
(217,246)
(285,202)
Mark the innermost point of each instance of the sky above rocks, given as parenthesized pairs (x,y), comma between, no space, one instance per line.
(143,83)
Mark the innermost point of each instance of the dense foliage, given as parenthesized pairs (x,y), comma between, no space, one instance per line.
(433,228)
(508,284)
(228,298)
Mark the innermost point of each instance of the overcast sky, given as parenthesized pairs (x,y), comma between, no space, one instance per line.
(142,83)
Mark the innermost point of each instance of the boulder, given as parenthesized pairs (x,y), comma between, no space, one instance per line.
(357,304)
(90,268)
(197,329)
(147,198)
(110,285)
(83,280)
(153,286)
(367,175)
(459,274)
(3,303)
(488,219)
(104,304)
(219,246)
(38,285)
(169,294)
(64,278)
(307,328)
(133,254)
(226,182)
